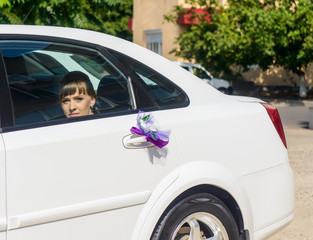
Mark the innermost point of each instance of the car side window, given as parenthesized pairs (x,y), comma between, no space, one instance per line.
(200,73)
(161,90)
(36,68)
(187,68)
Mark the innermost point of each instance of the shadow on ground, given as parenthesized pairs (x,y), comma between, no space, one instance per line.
(304,124)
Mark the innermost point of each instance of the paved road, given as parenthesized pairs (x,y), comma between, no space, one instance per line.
(293,116)
(300,150)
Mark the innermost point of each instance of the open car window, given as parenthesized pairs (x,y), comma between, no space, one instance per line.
(36,68)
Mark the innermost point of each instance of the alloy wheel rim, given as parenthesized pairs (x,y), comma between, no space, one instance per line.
(200,226)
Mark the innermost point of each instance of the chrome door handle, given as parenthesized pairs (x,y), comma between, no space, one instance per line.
(134,141)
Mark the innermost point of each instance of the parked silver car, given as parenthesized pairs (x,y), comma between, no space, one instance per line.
(198,70)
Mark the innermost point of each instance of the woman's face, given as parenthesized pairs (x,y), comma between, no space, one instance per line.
(77,104)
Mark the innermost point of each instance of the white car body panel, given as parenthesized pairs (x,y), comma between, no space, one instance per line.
(42,205)
(271,160)
(51,196)
(86,227)
(3,220)
(266,205)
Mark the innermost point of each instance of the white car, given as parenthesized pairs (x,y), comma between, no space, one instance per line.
(222,173)
(198,70)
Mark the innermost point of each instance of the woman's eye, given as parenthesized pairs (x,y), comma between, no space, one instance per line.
(79,99)
(64,101)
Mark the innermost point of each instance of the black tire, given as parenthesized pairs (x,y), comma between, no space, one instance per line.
(203,214)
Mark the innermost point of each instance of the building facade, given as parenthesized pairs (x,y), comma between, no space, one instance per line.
(149,28)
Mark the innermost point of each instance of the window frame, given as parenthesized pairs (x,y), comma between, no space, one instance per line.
(154,38)
(141,84)
(6,105)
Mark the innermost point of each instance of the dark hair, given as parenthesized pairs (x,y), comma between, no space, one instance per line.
(74,81)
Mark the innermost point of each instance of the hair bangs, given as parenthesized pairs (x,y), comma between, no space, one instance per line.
(72,88)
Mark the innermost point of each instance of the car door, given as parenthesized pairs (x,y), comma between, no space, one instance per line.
(74,178)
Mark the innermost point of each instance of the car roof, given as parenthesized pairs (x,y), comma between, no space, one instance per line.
(126,47)
(65,32)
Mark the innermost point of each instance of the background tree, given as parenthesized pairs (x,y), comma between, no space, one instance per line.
(108,16)
(246,32)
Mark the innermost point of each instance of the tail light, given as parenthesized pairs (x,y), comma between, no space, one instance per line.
(274,116)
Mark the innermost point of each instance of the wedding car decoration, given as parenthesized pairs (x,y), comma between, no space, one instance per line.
(146,126)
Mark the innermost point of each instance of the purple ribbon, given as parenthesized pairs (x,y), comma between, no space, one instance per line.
(146,127)
(153,137)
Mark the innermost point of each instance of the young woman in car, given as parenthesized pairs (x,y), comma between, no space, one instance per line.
(77,96)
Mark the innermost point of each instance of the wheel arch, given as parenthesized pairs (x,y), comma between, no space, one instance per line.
(219,182)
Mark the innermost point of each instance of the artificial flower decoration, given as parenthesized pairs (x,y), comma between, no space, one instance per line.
(146,126)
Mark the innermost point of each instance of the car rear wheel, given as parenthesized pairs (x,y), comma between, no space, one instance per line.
(197,217)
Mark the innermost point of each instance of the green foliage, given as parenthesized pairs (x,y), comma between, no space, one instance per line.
(246,32)
(4,3)
(108,16)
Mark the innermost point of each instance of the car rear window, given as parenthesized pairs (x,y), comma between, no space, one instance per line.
(162,91)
